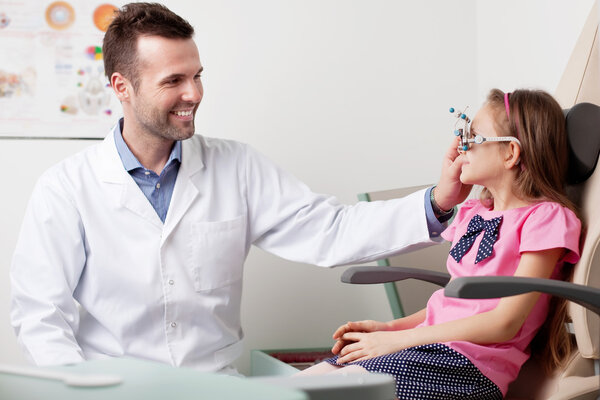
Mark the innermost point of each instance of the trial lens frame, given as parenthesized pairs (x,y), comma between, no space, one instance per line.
(464,132)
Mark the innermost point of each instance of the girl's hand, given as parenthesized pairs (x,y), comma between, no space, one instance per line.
(363,346)
(358,326)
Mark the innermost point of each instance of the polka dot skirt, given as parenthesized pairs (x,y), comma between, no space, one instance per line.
(432,371)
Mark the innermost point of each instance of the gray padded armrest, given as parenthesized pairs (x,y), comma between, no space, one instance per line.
(366,275)
(487,287)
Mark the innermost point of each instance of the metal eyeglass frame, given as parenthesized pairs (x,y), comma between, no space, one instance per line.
(464,132)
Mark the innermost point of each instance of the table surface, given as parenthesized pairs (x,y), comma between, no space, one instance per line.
(143,380)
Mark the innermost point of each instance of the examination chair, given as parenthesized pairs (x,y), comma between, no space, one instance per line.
(580,379)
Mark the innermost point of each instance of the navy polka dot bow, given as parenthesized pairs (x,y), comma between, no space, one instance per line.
(475,227)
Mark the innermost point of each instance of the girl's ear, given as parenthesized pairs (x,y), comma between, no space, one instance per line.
(513,155)
(121,86)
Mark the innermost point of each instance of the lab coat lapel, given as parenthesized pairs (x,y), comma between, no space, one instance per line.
(121,186)
(187,184)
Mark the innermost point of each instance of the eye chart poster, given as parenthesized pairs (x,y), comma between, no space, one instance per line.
(52,79)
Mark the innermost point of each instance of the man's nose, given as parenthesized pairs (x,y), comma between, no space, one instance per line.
(193,92)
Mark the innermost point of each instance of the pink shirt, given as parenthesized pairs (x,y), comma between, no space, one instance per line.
(537,227)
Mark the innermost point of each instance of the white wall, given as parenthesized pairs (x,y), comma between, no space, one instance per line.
(350,96)
(526,43)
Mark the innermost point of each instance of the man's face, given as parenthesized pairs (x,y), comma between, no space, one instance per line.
(170,89)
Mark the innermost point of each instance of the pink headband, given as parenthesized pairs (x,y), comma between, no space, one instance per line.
(507,107)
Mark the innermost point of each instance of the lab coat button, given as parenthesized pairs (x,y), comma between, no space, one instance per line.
(173,324)
(171,282)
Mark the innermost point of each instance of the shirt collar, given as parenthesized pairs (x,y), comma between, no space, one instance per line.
(130,162)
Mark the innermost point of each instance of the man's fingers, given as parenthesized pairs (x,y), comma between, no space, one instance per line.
(452,151)
(457,164)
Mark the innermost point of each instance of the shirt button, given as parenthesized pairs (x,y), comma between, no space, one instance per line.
(171,282)
(173,324)
(434,233)
(158,185)
(147,172)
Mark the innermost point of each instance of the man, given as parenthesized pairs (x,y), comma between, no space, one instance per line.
(135,247)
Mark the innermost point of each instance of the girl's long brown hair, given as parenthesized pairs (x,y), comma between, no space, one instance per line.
(537,120)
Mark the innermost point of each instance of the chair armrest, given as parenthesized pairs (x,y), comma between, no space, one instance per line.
(366,275)
(487,287)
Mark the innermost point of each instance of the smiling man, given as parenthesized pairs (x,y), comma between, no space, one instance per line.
(154,69)
(135,247)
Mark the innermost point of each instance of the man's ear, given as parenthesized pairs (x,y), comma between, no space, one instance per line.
(513,155)
(121,86)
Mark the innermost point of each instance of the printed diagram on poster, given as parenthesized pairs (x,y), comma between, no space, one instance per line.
(52,81)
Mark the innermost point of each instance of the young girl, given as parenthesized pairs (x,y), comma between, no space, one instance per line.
(522,225)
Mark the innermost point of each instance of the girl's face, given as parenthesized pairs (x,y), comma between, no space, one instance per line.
(484,163)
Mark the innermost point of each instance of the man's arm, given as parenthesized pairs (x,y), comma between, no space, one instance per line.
(449,191)
(287,219)
(47,263)
(436,222)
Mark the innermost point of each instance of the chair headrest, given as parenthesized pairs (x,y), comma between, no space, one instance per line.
(583,135)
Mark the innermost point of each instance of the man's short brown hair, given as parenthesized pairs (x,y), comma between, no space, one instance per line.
(133,20)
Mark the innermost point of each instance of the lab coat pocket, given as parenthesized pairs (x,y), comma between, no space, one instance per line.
(218,252)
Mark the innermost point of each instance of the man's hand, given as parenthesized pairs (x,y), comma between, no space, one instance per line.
(358,326)
(450,191)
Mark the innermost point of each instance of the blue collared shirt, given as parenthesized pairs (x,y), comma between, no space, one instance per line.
(435,226)
(158,189)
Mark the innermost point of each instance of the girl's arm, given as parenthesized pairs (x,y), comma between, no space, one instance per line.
(495,326)
(407,322)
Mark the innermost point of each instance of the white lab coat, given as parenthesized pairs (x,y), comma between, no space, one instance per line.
(95,271)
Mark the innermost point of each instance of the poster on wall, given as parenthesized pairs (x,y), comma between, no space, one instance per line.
(52,81)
